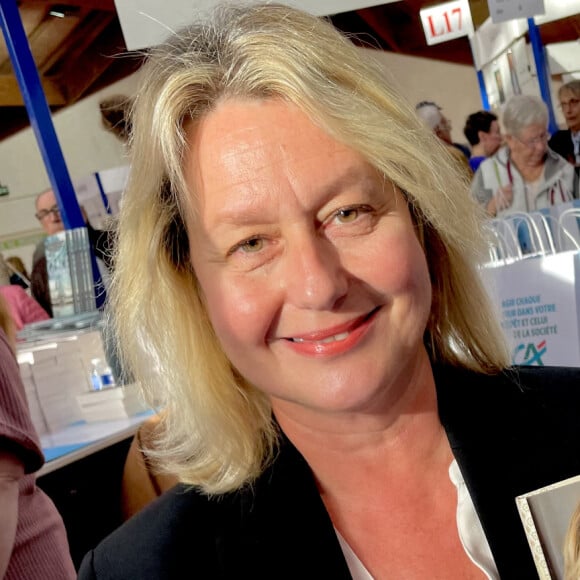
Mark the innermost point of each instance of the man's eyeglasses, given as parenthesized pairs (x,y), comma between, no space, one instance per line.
(44,213)
(426,104)
(539,140)
(569,104)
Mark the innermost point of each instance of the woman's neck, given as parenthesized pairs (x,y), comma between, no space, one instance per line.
(478,150)
(529,173)
(373,446)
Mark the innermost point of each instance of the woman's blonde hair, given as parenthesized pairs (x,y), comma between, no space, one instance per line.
(218,430)
(572,547)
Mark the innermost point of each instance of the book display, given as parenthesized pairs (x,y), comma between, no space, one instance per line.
(55,361)
(111,403)
(70,273)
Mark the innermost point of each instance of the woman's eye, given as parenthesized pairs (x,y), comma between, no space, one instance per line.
(251,245)
(348,214)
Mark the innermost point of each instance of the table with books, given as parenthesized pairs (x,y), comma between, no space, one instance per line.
(85,434)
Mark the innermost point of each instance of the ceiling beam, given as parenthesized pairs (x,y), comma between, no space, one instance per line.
(10,94)
(77,76)
(73,47)
(105,5)
(373,18)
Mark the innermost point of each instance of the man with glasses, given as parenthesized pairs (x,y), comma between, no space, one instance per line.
(567,141)
(48,214)
(525,174)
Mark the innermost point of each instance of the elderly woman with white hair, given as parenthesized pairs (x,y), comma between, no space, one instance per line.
(525,174)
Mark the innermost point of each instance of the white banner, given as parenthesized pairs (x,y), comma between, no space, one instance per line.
(537,299)
(504,10)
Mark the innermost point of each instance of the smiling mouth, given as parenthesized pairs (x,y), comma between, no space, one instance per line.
(335,338)
(339,336)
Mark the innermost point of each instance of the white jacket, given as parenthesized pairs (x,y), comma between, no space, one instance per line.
(493,173)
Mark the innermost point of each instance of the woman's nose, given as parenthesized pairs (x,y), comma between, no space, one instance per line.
(314,276)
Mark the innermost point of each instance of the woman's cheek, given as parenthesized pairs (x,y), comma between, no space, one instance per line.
(240,311)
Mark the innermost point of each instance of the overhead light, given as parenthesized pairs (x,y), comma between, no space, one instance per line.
(63,10)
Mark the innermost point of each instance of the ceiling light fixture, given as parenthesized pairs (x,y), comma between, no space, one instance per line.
(63,10)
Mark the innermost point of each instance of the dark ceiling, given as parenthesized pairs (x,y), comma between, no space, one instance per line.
(84,51)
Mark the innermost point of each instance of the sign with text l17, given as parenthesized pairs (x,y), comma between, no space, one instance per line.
(446,21)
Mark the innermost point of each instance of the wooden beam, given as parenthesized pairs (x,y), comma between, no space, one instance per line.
(105,5)
(48,37)
(77,76)
(372,16)
(74,46)
(10,95)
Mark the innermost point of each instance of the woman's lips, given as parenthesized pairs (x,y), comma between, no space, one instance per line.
(334,340)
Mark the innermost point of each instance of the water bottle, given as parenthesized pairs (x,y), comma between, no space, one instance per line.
(101,375)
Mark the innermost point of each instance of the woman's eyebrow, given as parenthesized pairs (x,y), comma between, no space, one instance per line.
(249,212)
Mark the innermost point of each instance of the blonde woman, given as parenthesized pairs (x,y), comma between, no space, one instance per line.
(296,286)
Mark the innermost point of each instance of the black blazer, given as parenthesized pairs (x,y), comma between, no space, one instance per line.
(561,143)
(510,434)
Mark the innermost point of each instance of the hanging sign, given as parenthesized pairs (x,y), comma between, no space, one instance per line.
(446,21)
(504,10)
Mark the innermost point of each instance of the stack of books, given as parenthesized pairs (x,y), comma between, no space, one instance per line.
(54,371)
(59,374)
(111,403)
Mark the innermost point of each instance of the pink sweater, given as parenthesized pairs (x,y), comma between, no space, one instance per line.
(40,550)
(23,308)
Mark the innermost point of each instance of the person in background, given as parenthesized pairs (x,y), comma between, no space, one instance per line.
(24,309)
(33,542)
(296,287)
(566,142)
(525,174)
(430,113)
(484,135)
(115,117)
(48,214)
(19,275)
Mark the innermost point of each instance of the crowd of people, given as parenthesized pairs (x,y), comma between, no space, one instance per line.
(524,168)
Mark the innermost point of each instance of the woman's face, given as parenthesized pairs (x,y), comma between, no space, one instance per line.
(570,105)
(311,271)
(529,147)
(491,140)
